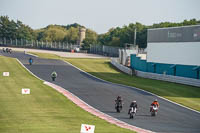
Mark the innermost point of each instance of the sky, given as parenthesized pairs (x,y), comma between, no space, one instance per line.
(99,15)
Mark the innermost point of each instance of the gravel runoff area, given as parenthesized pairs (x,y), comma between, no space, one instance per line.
(59,53)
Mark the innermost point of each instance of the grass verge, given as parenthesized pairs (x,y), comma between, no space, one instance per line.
(44,110)
(183,94)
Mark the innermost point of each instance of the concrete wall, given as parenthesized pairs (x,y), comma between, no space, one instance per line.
(115,62)
(124,55)
(187,71)
(164,77)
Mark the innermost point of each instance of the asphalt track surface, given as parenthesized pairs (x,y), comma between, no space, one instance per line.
(171,118)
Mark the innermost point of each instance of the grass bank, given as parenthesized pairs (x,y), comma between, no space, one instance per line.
(44,110)
(182,94)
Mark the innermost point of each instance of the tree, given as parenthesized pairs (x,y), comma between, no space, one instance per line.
(24,32)
(7,28)
(72,35)
(90,39)
(120,36)
(54,33)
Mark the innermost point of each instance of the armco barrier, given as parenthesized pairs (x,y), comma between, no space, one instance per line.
(115,62)
(175,79)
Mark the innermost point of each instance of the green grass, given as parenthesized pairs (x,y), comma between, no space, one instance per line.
(44,110)
(182,94)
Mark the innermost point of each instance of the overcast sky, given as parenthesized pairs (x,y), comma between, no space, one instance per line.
(99,15)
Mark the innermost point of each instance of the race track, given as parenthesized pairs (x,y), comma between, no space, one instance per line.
(171,118)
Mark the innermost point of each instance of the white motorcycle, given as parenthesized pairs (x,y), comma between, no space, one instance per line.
(132,112)
(154,110)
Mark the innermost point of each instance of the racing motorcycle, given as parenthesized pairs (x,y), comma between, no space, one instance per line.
(118,106)
(30,61)
(132,112)
(154,110)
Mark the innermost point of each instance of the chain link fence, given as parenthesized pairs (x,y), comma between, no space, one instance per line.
(105,50)
(38,44)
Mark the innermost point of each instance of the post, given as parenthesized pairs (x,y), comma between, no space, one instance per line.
(37,43)
(174,70)
(16,41)
(154,68)
(26,42)
(135,36)
(46,44)
(32,43)
(59,45)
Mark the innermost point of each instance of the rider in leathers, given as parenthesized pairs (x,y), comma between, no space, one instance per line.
(134,105)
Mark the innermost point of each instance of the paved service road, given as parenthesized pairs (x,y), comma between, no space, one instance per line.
(101,95)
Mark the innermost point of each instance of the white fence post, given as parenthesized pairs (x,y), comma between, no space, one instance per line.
(16,41)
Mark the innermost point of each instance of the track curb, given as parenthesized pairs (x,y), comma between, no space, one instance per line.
(94,111)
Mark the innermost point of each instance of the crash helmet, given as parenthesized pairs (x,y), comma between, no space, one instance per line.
(119,97)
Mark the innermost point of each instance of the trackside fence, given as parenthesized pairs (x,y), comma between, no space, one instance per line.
(105,50)
(64,46)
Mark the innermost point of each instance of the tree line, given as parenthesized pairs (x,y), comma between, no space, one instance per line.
(120,36)
(70,33)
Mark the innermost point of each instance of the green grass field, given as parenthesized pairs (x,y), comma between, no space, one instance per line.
(182,94)
(44,110)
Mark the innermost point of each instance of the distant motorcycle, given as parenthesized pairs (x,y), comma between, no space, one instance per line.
(4,50)
(118,106)
(154,110)
(132,112)
(7,50)
(30,61)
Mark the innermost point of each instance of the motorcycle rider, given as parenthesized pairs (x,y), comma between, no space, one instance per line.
(154,103)
(134,105)
(53,75)
(30,61)
(118,101)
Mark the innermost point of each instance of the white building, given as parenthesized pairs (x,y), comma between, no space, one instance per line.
(175,45)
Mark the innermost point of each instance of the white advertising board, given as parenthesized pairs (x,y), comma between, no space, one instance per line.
(6,74)
(87,128)
(26,91)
